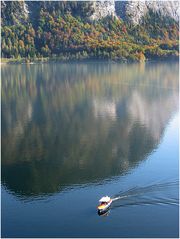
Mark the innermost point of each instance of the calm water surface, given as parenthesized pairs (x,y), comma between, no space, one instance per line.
(72,133)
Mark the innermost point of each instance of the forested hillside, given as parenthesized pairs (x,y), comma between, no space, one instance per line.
(65,31)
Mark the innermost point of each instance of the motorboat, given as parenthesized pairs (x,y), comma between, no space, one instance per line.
(104,214)
(104,204)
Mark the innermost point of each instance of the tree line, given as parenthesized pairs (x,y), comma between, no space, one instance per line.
(66,36)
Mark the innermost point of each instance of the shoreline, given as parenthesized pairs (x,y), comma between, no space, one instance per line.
(32,61)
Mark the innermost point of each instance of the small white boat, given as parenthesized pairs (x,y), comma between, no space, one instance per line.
(105,203)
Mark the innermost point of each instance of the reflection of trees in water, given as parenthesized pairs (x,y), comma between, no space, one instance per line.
(66,124)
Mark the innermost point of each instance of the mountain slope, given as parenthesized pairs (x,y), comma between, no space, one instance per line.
(79,30)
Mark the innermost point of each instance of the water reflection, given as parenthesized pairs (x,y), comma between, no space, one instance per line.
(66,124)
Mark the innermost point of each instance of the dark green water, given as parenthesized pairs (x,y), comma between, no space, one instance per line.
(72,133)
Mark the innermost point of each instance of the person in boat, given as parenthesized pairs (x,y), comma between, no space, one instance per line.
(103,203)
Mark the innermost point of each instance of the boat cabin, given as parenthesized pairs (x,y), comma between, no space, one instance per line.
(104,200)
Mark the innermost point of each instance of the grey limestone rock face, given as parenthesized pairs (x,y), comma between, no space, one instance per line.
(13,12)
(165,8)
(103,9)
(133,11)
(136,10)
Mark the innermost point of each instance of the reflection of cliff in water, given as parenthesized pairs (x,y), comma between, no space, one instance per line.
(64,125)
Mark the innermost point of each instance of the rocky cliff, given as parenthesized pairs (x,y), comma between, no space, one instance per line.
(135,10)
(132,11)
(13,12)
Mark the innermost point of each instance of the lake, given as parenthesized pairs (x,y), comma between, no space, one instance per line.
(72,133)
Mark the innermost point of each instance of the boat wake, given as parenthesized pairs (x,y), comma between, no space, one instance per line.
(148,195)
